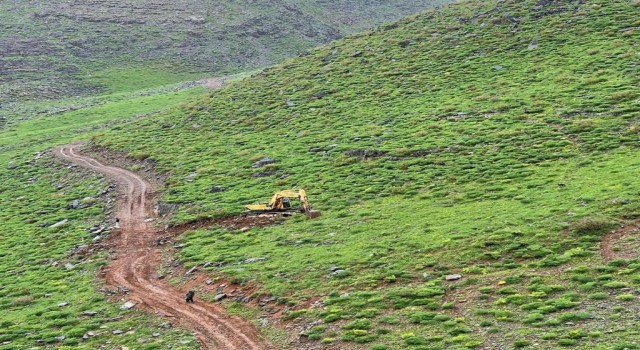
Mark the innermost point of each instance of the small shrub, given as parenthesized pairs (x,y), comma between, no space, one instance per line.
(598,296)
(358,324)
(626,297)
(521,343)
(567,342)
(379,347)
(415,341)
(615,285)
(507,290)
(590,225)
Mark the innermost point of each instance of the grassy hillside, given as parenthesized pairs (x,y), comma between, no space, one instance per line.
(498,140)
(46,303)
(83,47)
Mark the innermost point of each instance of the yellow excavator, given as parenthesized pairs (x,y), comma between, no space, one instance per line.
(281,203)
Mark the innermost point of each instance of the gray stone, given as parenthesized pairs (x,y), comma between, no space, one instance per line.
(117,331)
(334,268)
(89,313)
(452,277)
(69,266)
(59,223)
(219,297)
(75,204)
(252,260)
(61,338)
(262,162)
(127,306)
(155,335)
(216,189)
(63,304)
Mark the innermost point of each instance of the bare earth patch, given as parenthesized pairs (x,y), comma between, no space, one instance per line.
(621,244)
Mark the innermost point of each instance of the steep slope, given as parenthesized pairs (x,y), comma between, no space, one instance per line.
(80,47)
(496,139)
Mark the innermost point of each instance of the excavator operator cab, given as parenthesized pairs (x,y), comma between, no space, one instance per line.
(286,203)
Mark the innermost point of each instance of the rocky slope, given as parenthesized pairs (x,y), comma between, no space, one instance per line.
(54,49)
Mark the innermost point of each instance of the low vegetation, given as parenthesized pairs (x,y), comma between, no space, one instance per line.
(496,140)
(66,50)
(48,289)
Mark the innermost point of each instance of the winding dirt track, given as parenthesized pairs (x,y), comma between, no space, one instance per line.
(137,257)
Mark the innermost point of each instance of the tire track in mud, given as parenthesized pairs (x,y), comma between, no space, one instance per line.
(134,264)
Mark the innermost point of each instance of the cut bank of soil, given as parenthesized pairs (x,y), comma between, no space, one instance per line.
(618,244)
(133,266)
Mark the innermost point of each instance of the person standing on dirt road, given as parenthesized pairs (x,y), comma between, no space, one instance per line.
(189,296)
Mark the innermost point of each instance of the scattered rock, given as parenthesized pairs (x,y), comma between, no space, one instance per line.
(262,162)
(219,297)
(96,238)
(89,313)
(48,295)
(63,304)
(498,67)
(209,282)
(252,260)
(61,338)
(452,277)
(75,204)
(117,331)
(365,153)
(69,266)
(59,223)
(289,103)
(127,306)
(356,54)
(192,270)
(190,177)
(533,44)
(260,174)
(217,189)
(155,335)
(334,268)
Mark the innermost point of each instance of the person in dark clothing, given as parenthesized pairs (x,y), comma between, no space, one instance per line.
(189,296)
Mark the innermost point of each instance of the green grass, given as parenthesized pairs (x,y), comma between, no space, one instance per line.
(483,157)
(35,191)
(52,51)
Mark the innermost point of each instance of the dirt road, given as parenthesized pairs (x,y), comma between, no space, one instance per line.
(137,258)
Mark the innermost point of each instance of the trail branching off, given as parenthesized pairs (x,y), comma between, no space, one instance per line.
(136,258)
